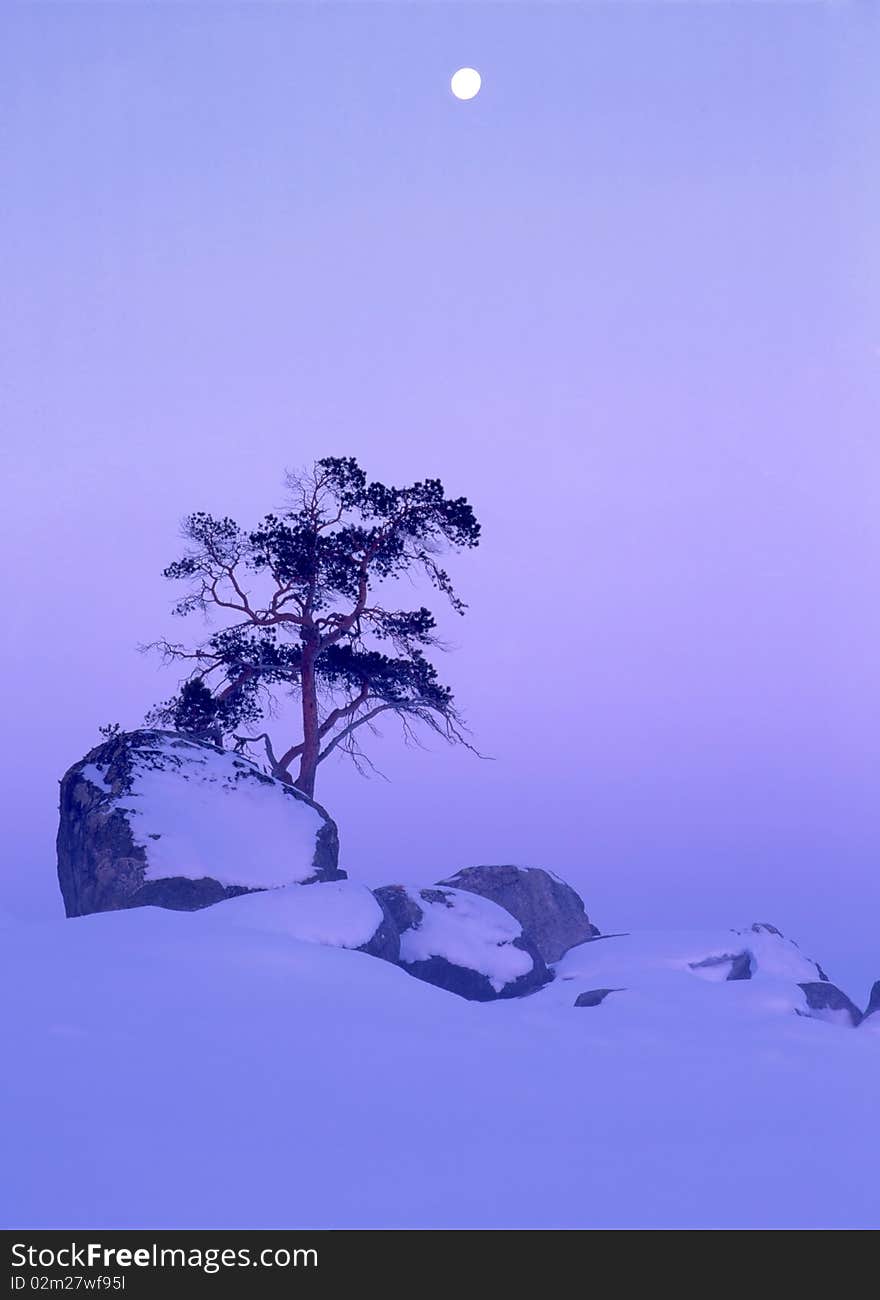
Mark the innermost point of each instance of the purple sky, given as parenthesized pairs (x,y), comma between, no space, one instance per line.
(626,301)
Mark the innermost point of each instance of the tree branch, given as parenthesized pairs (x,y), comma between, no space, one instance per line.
(344,710)
(352,726)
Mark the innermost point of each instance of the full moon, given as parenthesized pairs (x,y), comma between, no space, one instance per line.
(465,83)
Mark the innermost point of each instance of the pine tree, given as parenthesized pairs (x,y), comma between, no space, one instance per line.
(303,597)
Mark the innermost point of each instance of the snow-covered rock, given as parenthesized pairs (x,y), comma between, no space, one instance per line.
(825,1001)
(336,913)
(550,912)
(463,943)
(674,974)
(152,817)
(760,948)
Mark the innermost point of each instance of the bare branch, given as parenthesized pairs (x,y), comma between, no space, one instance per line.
(352,726)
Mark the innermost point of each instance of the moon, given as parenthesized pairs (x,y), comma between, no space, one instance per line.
(465,83)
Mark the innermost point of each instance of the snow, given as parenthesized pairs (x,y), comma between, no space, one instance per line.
(91,772)
(339,913)
(233,824)
(775,956)
(187,1070)
(468,931)
(659,976)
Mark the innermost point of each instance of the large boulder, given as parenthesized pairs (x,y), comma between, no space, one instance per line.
(153,817)
(463,943)
(549,910)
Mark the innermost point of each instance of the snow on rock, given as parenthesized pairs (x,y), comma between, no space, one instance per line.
(671,972)
(463,943)
(759,949)
(337,913)
(825,1001)
(551,913)
(153,817)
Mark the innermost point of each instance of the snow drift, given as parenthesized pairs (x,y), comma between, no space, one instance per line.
(173,1070)
(253,1065)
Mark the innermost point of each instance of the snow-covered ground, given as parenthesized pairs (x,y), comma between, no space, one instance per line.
(170,1069)
(337,913)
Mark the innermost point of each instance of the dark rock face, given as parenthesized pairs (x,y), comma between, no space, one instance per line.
(104,843)
(398,904)
(385,943)
(551,914)
(764,927)
(469,984)
(828,1002)
(739,964)
(873,1006)
(407,908)
(594,997)
(174,892)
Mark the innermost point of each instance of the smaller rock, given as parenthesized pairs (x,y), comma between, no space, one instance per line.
(771,953)
(463,943)
(551,914)
(827,1002)
(594,997)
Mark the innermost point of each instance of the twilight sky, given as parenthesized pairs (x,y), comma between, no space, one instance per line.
(626,301)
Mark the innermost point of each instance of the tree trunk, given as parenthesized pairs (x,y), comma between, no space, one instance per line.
(308,764)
